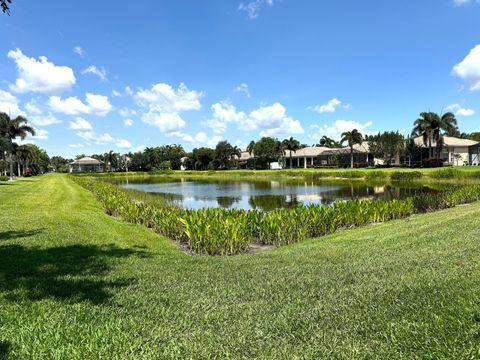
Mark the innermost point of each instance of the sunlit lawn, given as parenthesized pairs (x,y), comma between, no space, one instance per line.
(77,284)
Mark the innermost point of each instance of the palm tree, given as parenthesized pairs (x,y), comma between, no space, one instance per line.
(236,152)
(327,142)
(110,159)
(430,125)
(250,148)
(292,145)
(352,137)
(10,129)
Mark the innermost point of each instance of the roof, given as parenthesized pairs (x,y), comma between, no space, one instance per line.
(245,155)
(87,161)
(448,141)
(308,151)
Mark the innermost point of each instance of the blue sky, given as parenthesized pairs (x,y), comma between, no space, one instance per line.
(97,75)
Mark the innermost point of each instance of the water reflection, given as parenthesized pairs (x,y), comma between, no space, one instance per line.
(265,195)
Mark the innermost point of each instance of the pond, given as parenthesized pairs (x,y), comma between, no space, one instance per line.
(264,195)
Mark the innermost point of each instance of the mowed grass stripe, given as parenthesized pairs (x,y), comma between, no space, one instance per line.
(75,283)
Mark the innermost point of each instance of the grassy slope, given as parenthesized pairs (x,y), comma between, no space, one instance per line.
(75,283)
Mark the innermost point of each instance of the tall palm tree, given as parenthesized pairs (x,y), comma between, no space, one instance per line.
(236,152)
(10,129)
(430,126)
(110,159)
(250,148)
(351,137)
(291,145)
(327,142)
(24,154)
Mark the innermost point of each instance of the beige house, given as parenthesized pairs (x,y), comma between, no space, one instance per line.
(456,151)
(86,164)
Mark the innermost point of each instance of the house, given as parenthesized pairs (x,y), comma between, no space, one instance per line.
(455,151)
(317,156)
(86,164)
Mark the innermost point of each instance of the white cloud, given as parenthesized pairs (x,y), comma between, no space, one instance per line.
(99,104)
(80,124)
(336,129)
(125,112)
(465,2)
(469,69)
(95,104)
(252,8)
(44,120)
(201,137)
(181,135)
(123,144)
(164,104)
(32,107)
(128,122)
(166,122)
(273,121)
(214,141)
(40,75)
(75,146)
(128,90)
(20,142)
(100,72)
(79,51)
(90,136)
(459,111)
(223,113)
(40,134)
(329,107)
(115,93)
(243,88)
(9,104)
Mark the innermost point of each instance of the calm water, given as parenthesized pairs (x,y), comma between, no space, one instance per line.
(263,195)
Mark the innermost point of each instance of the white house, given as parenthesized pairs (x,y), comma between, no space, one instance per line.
(456,151)
(86,164)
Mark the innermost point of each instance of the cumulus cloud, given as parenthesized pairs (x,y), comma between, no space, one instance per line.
(32,107)
(329,107)
(252,8)
(75,146)
(125,112)
(459,110)
(214,141)
(128,122)
(223,113)
(273,121)
(95,104)
(181,135)
(163,105)
(243,88)
(9,104)
(469,69)
(44,120)
(80,124)
(201,137)
(336,129)
(40,75)
(100,72)
(123,144)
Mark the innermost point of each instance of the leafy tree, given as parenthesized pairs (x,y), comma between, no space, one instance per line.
(291,145)
(387,146)
(223,154)
(111,160)
(10,129)
(202,157)
(267,150)
(430,126)
(59,164)
(352,137)
(325,141)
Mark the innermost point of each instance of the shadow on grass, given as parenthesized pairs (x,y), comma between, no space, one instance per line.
(4,349)
(71,273)
(10,235)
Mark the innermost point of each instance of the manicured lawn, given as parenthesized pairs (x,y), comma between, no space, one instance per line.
(77,284)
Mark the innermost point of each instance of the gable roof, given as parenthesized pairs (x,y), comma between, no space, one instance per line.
(87,161)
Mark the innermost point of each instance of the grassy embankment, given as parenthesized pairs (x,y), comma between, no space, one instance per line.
(75,283)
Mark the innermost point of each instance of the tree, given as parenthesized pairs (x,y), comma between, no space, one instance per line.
(223,154)
(59,164)
(4,5)
(291,145)
(430,126)
(202,157)
(387,146)
(10,129)
(267,150)
(325,141)
(352,137)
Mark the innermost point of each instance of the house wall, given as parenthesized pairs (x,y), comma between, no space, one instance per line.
(464,157)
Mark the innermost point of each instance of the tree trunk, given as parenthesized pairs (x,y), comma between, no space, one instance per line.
(290,159)
(18,169)
(351,157)
(11,166)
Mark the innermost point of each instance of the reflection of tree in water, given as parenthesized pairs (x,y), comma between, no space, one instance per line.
(272,202)
(227,201)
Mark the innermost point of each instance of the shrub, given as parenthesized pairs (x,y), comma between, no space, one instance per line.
(3,178)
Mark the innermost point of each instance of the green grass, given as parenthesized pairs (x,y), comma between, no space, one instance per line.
(77,284)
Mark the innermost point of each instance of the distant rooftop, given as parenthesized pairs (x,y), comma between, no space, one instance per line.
(87,161)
